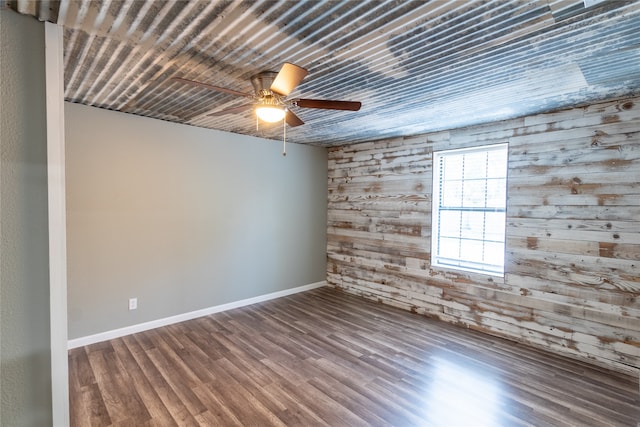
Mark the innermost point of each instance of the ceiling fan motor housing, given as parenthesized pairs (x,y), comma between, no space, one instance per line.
(262,83)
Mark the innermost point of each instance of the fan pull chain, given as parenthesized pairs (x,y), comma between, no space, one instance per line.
(284,137)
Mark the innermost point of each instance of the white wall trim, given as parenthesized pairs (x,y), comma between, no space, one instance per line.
(116,333)
(54,81)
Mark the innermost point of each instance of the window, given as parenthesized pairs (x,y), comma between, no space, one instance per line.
(469,209)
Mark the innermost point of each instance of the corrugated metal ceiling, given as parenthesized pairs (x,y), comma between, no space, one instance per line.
(417,66)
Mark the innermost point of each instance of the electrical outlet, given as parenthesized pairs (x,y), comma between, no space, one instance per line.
(133,303)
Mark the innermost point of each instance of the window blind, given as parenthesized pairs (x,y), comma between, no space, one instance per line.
(469,209)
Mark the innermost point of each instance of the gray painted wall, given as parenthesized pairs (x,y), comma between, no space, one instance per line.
(25,349)
(184,218)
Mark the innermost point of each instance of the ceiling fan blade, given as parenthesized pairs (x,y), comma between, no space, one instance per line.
(232,110)
(211,87)
(288,78)
(328,104)
(292,120)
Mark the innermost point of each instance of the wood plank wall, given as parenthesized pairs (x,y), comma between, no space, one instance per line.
(572,266)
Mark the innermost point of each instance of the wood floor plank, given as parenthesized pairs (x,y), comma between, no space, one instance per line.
(331,411)
(240,403)
(219,414)
(81,374)
(121,400)
(158,411)
(296,410)
(172,376)
(324,358)
(177,409)
(353,400)
(88,405)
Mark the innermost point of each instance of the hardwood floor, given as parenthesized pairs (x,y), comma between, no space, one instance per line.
(326,358)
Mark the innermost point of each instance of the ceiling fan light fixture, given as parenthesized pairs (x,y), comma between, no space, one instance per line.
(270,99)
(270,113)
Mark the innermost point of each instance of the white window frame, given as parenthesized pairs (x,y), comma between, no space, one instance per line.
(438,210)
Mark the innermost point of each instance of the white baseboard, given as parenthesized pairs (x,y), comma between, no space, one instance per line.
(116,333)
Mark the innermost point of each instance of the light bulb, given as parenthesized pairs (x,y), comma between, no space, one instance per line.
(270,114)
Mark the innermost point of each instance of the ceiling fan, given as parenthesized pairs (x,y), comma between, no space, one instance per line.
(270,98)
